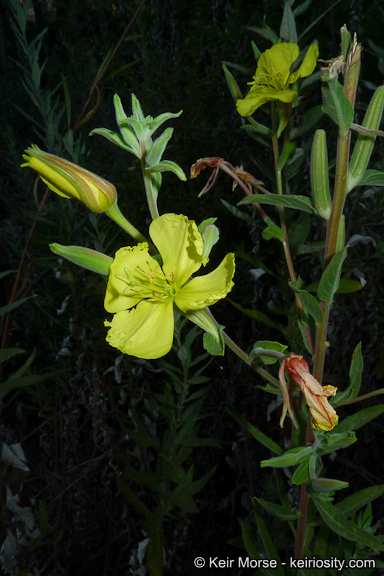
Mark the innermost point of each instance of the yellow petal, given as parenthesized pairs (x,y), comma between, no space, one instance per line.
(308,64)
(145,331)
(205,290)
(180,245)
(147,279)
(274,65)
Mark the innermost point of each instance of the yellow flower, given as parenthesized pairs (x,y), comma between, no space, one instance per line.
(71,181)
(273,77)
(316,396)
(143,294)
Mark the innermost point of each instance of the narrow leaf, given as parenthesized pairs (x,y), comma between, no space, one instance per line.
(257,434)
(295,202)
(353,503)
(330,279)
(360,419)
(338,523)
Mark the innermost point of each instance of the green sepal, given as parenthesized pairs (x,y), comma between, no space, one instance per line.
(345,41)
(330,279)
(84,257)
(320,175)
(364,144)
(336,105)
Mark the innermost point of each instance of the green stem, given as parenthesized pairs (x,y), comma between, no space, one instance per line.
(115,214)
(151,194)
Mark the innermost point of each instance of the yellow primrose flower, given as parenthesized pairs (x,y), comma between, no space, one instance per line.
(273,76)
(70,181)
(142,294)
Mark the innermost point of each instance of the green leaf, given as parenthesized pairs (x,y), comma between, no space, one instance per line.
(239,214)
(338,523)
(288,25)
(336,440)
(360,419)
(337,106)
(288,152)
(301,474)
(215,347)
(355,375)
(84,257)
(290,458)
(277,510)
(268,542)
(309,120)
(257,434)
(330,279)
(13,305)
(16,381)
(351,504)
(154,155)
(372,178)
(167,166)
(8,353)
(309,302)
(292,201)
(256,315)
(272,231)
(266,33)
(249,540)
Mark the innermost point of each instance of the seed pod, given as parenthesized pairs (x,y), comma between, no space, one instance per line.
(319,175)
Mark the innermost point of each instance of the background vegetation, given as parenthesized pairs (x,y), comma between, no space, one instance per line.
(84,416)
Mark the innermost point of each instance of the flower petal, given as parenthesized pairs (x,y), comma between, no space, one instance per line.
(144,272)
(260,95)
(145,332)
(308,64)
(275,64)
(206,290)
(180,245)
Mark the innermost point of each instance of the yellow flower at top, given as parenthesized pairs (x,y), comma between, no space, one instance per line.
(143,294)
(273,76)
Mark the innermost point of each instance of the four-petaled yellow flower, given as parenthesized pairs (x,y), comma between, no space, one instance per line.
(142,294)
(273,77)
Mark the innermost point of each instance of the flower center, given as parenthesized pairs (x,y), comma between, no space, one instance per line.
(147,284)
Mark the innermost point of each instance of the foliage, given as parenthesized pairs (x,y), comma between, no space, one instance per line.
(111,463)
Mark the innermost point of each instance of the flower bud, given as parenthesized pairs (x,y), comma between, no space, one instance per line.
(70,181)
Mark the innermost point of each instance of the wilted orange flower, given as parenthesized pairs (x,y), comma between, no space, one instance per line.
(323,414)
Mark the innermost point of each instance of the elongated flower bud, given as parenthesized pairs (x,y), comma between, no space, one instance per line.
(71,181)
(320,175)
(365,142)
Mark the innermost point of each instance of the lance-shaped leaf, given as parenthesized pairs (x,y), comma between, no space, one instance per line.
(292,201)
(360,419)
(336,105)
(364,144)
(232,84)
(355,374)
(84,257)
(338,523)
(351,504)
(330,279)
(309,302)
(132,147)
(372,178)
(320,175)
(157,149)
(167,166)
(288,25)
